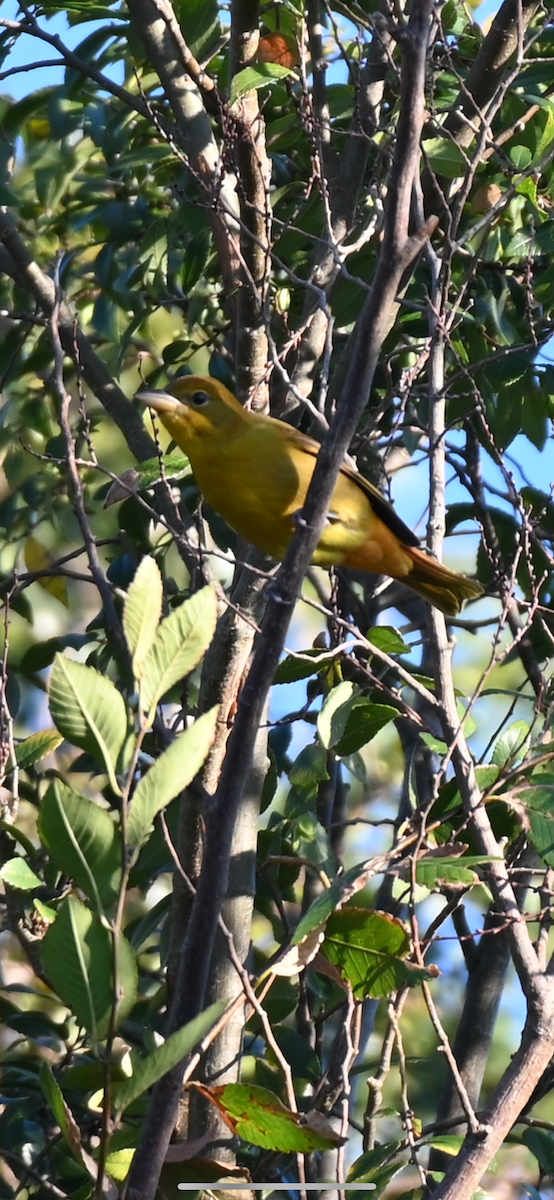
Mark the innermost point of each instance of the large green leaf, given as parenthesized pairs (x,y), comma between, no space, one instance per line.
(84,842)
(89,711)
(143,609)
(259,1118)
(369,949)
(364,722)
(78,954)
(147,1071)
(512,745)
(181,640)
(172,772)
(445,157)
(333,898)
(251,78)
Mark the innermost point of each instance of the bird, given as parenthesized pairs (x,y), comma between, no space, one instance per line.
(255,471)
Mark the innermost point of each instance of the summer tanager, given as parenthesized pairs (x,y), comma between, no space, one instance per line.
(255,471)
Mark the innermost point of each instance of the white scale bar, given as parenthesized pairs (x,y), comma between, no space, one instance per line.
(245,1185)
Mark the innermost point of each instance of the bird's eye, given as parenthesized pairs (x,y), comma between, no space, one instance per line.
(199,398)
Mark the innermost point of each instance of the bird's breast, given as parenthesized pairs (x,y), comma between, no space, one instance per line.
(254,484)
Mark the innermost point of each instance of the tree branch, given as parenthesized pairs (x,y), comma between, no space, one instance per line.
(397,251)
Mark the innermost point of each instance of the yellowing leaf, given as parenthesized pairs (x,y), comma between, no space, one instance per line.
(38,558)
(257,1116)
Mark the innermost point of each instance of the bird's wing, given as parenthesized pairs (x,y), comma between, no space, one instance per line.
(379,504)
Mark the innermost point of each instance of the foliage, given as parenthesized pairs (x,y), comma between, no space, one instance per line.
(227,217)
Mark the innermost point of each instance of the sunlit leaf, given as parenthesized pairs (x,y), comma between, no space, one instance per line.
(89,711)
(170,774)
(142,611)
(251,78)
(257,1115)
(370,949)
(181,640)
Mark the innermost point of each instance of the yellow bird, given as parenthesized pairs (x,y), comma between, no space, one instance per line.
(255,471)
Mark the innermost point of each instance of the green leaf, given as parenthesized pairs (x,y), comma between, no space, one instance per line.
(84,842)
(18,874)
(64,1118)
(369,949)
(434,743)
(292,669)
(541,1143)
(147,1071)
(37,746)
(179,644)
(259,1118)
(89,712)
(364,1167)
(433,870)
(333,898)
(364,722)
(512,745)
(142,611)
(309,769)
(451,1143)
(199,20)
(78,955)
(540,810)
(251,78)
(521,156)
(445,157)
(172,772)
(92,11)
(386,638)
(336,709)
(175,466)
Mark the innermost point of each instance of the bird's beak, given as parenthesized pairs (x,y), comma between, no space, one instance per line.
(162,402)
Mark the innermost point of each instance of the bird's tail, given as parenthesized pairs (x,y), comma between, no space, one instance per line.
(439,585)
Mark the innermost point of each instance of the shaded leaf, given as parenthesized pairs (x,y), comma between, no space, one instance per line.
(147,1071)
(65,1119)
(180,641)
(78,955)
(143,609)
(365,720)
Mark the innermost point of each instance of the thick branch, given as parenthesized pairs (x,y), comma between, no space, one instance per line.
(509,1099)
(501,42)
(165,53)
(254,173)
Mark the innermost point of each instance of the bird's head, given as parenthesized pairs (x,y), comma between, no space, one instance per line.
(194,406)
